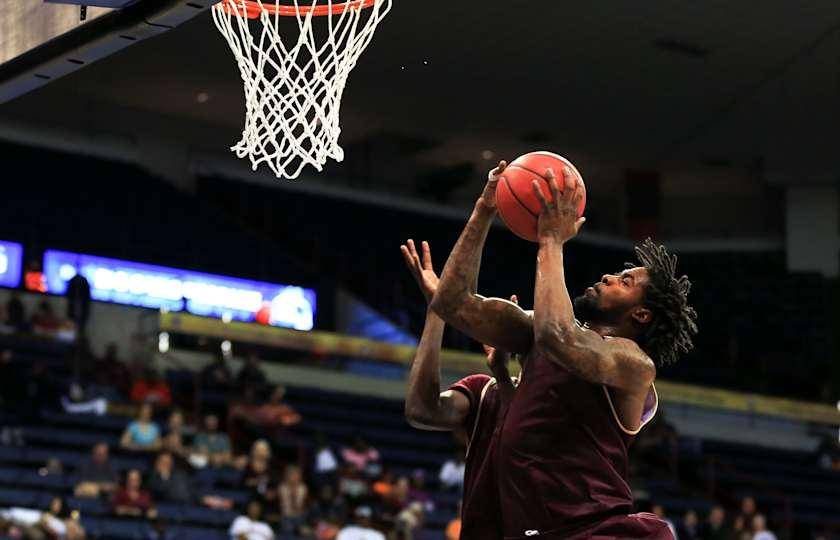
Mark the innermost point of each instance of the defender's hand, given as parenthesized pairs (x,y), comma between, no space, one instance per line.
(421,268)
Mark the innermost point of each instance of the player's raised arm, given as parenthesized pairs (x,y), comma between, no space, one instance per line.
(426,407)
(615,362)
(493,321)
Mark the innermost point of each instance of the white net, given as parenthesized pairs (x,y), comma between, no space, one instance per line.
(293,84)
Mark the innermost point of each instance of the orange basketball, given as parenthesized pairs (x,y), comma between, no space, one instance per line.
(515,198)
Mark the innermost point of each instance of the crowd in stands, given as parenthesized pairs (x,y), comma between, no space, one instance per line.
(323,491)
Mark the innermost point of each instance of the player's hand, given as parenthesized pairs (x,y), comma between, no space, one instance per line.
(558,219)
(488,196)
(420,267)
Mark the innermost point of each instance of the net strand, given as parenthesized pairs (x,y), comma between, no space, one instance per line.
(293,89)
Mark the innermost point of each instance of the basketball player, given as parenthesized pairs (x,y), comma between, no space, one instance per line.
(560,454)
(475,404)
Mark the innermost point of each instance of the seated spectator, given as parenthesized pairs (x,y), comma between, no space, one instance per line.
(249,526)
(409,522)
(258,475)
(174,440)
(260,449)
(715,527)
(142,434)
(361,456)
(272,417)
(688,529)
(326,465)
(54,522)
(109,370)
(351,485)
(453,530)
(212,444)
(362,529)
(418,492)
(452,472)
(217,375)
(44,320)
(396,499)
(828,453)
(329,506)
(293,496)
(251,376)
(760,531)
(16,314)
(168,483)
(131,500)
(96,475)
(748,511)
(151,388)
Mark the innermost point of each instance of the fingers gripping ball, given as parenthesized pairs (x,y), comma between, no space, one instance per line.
(515,198)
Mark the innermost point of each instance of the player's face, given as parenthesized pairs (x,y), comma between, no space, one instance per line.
(611,298)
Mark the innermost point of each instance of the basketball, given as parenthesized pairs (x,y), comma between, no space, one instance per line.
(515,198)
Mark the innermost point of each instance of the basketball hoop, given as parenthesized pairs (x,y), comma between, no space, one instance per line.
(293,85)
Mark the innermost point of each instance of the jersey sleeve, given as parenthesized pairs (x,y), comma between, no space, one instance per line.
(471,386)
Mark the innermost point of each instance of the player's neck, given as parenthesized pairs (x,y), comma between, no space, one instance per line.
(610,330)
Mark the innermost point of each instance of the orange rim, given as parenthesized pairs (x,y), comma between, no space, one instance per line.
(252,10)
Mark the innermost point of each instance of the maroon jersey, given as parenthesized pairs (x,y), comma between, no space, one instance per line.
(481,515)
(561,460)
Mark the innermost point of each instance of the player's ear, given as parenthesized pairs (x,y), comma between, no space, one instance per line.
(642,315)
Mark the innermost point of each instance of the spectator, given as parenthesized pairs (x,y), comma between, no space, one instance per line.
(361,456)
(362,529)
(410,522)
(828,453)
(260,449)
(16,314)
(151,389)
(326,465)
(417,491)
(212,444)
(689,529)
(396,499)
(168,483)
(351,485)
(273,416)
(452,472)
(251,376)
(44,319)
(453,530)
(329,507)
(249,526)
(748,511)
(258,476)
(142,434)
(111,371)
(78,302)
(96,475)
(715,527)
(217,375)
(660,511)
(54,522)
(293,496)
(759,526)
(174,440)
(131,500)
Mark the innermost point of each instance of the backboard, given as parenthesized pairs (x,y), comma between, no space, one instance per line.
(41,40)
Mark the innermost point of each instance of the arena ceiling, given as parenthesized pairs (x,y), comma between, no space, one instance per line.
(660,83)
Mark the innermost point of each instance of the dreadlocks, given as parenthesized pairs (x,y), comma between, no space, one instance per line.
(674,321)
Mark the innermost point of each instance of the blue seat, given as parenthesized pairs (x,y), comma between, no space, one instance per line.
(89,506)
(18,497)
(9,476)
